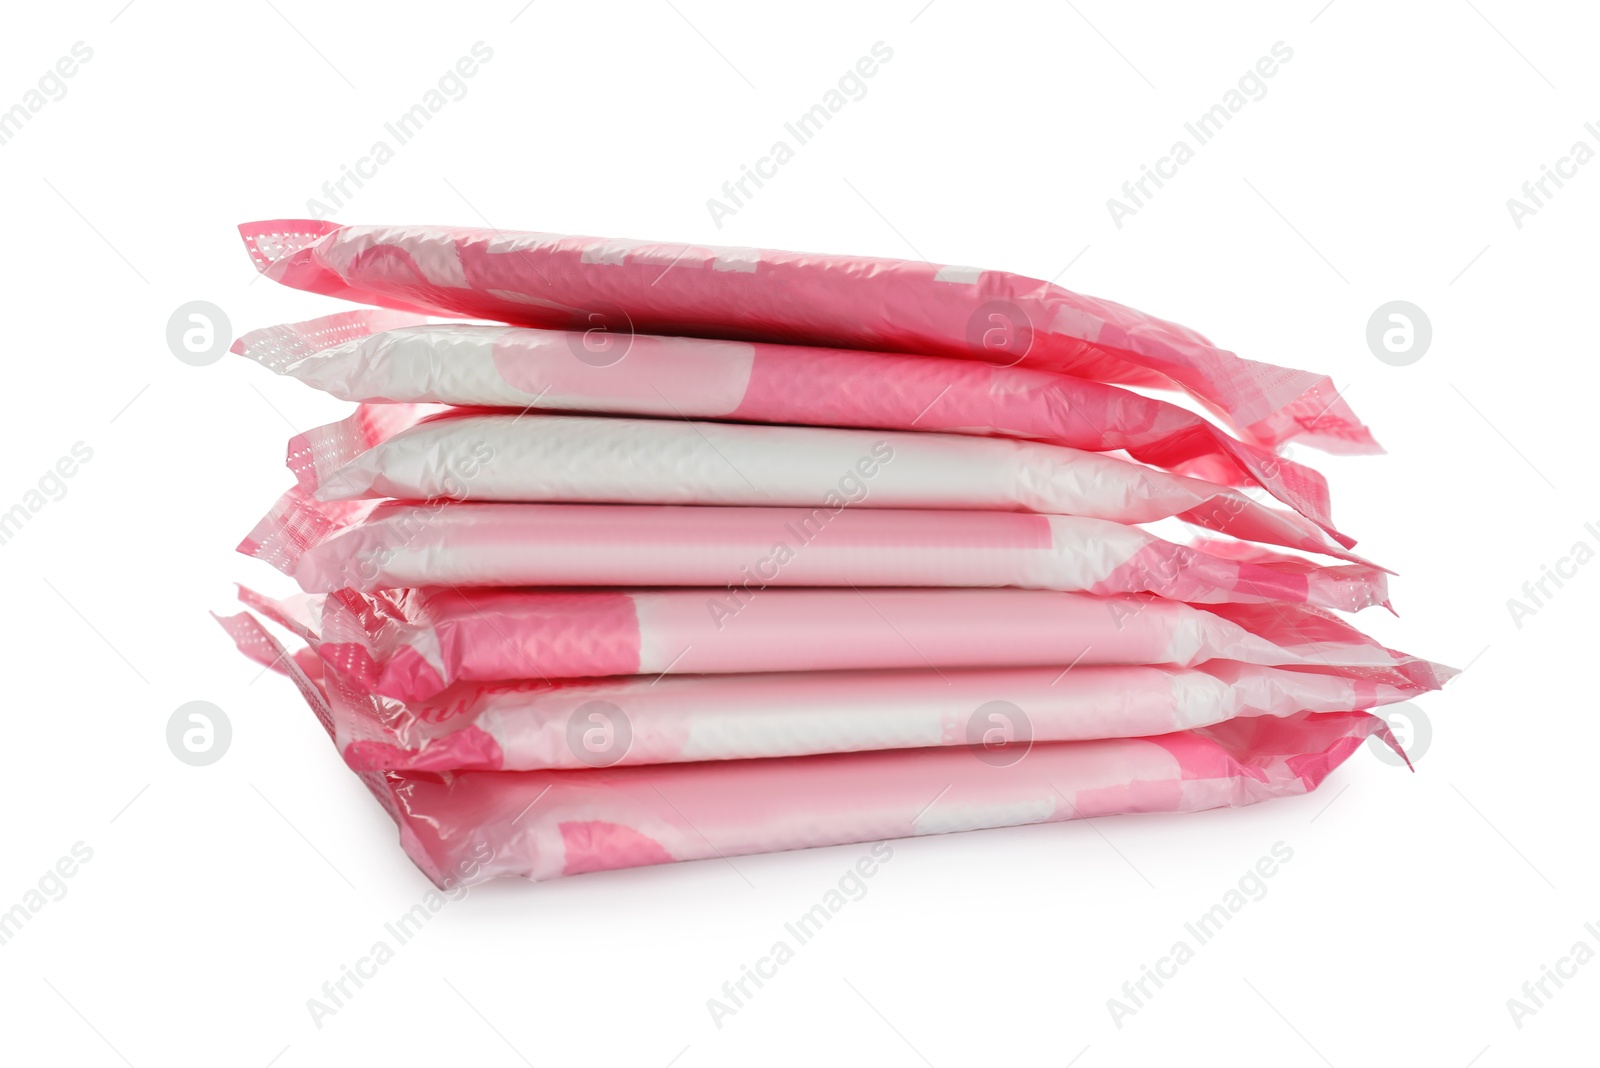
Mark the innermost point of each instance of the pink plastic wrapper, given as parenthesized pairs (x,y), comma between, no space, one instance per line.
(412,644)
(462,828)
(533,725)
(417,452)
(385,356)
(369,545)
(618,287)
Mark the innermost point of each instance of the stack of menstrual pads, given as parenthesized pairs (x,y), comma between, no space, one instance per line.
(635,552)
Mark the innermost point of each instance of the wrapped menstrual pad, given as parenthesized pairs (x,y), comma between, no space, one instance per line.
(730,550)
(465,827)
(373,545)
(411,644)
(414,452)
(385,356)
(623,287)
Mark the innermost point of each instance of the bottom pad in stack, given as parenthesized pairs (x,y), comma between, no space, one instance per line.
(785,552)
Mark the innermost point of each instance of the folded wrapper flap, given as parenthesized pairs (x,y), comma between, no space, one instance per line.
(280,347)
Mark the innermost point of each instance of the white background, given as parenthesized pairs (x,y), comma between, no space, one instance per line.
(1377,167)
